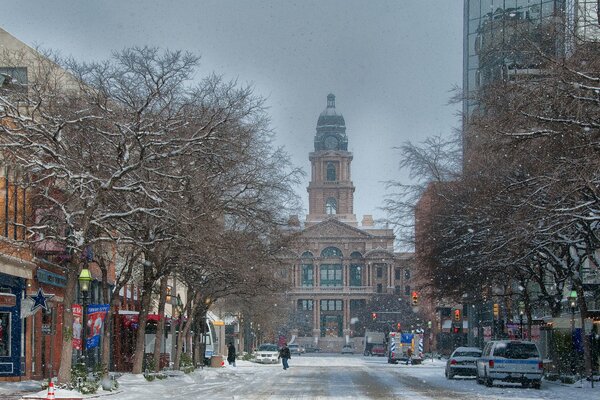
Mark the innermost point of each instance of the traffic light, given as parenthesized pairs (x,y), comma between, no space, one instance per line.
(496,310)
(374,316)
(415,298)
(457,315)
(398,327)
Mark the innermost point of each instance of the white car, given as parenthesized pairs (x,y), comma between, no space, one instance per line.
(347,349)
(463,361)
(296,349)
(267,354)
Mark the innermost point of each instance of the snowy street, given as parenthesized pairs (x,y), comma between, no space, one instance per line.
(328,376)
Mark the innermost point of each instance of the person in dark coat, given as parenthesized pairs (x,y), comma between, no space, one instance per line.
(231,354)
(285,355)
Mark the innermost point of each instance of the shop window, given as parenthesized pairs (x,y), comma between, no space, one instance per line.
(5,334)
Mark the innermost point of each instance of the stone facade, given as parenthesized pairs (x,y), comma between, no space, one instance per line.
(337,265)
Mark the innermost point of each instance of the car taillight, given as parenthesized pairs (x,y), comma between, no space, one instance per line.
(453,362)
(540,365)
(491,363)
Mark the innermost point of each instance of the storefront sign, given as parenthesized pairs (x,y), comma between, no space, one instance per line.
(40,300)
(51,278)
(8,300)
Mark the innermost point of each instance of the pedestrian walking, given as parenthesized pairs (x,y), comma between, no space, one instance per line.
(231,354)
(409,353)
(285,355)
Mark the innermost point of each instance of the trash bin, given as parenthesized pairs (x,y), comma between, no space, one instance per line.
(216,361)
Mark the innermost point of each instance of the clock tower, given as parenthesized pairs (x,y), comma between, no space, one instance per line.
(330,191)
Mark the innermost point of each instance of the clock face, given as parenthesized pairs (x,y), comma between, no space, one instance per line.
(331,143)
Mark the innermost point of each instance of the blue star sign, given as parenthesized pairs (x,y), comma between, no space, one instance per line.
(39,300)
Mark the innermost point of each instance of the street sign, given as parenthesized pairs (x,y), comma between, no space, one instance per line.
(587,325)
(47,329)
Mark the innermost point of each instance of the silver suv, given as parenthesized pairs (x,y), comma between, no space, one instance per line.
(510,361)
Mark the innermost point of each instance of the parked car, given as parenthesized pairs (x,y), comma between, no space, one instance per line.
(312,349)
(296,349)
(463,361)
(267,354)
(347,349)
(377,350)
(510,361)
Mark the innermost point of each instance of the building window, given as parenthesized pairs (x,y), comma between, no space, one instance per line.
(397,290)
(379,288)
(397,274)
(407,274)
(332,305)
(407,290)
(331,206)
(307,275)
(305,305)
(356,275)
(331,275)
(380,272)
(331,175)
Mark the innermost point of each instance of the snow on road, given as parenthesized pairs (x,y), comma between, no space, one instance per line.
(326,376)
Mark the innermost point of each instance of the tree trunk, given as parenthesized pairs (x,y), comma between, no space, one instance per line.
(185,328)
(64,372)
(138,355)
(160,329)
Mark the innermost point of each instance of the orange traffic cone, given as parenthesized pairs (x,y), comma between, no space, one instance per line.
(50,395)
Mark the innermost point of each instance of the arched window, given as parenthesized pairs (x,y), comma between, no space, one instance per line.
(331,171)
(331,206)
(307,254)
(356,254)
(331,252)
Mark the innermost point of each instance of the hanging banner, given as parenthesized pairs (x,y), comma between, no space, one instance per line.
(95,319)
(77,315)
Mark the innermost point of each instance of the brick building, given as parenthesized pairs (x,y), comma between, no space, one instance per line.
(339,265)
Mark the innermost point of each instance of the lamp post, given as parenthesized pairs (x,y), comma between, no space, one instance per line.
(429,336)
(85,277)
(521,312)
(573,303)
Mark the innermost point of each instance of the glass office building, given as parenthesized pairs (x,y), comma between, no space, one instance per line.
(498,34)
(494,45)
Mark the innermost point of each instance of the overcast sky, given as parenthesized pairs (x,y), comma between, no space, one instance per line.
(391,64)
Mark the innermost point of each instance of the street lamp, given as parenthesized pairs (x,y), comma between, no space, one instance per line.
(85,277)
(521,312)
(572,303)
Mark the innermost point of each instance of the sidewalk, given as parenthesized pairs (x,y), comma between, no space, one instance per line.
(32,390)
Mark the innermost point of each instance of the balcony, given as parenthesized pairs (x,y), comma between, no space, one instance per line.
(339,290)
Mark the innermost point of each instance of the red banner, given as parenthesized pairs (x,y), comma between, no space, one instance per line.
(77,326)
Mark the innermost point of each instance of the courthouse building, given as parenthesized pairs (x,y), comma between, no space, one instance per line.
(338,263)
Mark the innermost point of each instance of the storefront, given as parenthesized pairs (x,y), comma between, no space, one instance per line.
(11,328)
